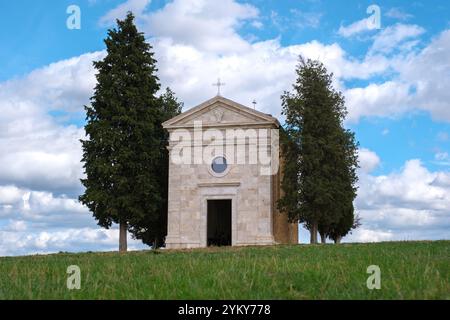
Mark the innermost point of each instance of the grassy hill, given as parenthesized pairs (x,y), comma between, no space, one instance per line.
(409,270)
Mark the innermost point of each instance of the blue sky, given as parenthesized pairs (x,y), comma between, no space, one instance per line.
(395,79)
(36,34)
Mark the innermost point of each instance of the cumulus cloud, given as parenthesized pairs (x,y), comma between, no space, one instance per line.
(40,163)
(42,208)
(47,160)
(38,221)
(63,85)
(442,158)
(119,12)
(22,242)
(202,24)
(368,235)
(306,19)
(394,37)
(413,203)
(368,160)
(387,99)
(356,27)
(428,74)
(191,53)
(38,152)
(9,195)
(413,187)
(419,82)
(397,13)
(262,72)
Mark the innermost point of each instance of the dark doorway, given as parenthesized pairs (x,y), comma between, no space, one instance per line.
(219,223)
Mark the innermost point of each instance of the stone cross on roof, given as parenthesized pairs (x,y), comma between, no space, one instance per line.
(218,85)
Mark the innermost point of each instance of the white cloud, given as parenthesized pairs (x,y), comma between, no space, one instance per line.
(412,187)
(37,151)
(208,25)
(367,235)
(368,160)
(442,158)
(392,37)
(411,204)
(41,207)
(261,72)
(419,81)
(356,27)
(306,19)
(40,161)
(192,53)
(202,24)
(49,224)
(18,225)
(63,85)
(119,12)
(45,160)
(257,24)
(9,195)
(399,14)
(429,74)
(21,242)
(390,98)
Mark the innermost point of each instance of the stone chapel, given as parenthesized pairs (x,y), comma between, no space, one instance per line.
(222,188)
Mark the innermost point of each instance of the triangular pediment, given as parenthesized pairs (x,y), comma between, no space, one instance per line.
(220,111)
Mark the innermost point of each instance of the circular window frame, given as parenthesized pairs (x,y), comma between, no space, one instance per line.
(215,174)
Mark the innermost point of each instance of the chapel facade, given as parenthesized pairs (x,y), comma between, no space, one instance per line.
(224,178)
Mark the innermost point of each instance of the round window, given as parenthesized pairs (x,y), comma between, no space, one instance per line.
(219,165)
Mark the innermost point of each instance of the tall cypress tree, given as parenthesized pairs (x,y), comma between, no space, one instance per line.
(121,154)
(152,229)
(320,155)
(344,226)
(345,192)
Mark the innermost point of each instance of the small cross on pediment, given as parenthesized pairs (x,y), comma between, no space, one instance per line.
(218,84)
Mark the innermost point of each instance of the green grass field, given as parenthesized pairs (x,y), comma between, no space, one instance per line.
(409,270)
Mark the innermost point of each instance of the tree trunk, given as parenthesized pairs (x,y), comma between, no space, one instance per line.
(155,244)
(313,232)
(338,240)
(123,236)
(323,238)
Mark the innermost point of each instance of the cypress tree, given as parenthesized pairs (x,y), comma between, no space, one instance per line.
(320,155)
(348,222)
(122,152)
(152,229)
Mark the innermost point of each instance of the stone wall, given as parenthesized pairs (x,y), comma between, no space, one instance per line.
(191,185)
(255,218)
(284,232)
